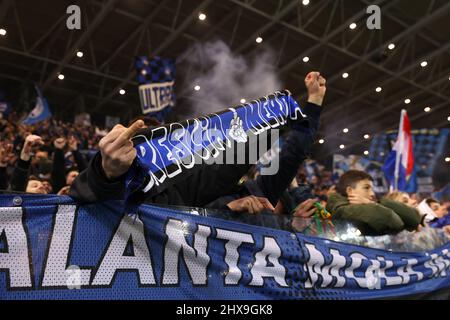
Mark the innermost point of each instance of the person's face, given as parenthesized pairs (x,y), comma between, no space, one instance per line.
(412,202)
(443,210)
(363,188)
(438,209)
(39,156)
(331,190)
(70,177)
(35,186)
(434,206)
(404,198)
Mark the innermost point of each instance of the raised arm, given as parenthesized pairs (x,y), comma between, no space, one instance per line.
(21,171)
(104,178)
(299,142)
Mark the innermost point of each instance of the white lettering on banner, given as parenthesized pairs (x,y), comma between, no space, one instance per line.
(406,271)
(328,272)
(187,245)
(234,241)
(14,257)
(202,143)
(56,274)
(356,262)
(336,266)
(156,96)
(260,270)
(314,265)
(390,280)
(166,156)
(195,258)
(180,148)
(437,264)
(74,277)
(409,269)
(131,230)
(446,262)
(375,276)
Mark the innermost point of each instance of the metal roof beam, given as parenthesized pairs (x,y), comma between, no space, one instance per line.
(173,36)
(392,76)
(81,41)
(143,24)
(73,67)
(4,8)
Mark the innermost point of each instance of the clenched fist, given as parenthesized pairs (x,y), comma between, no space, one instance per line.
(73,143)
(30,142)
(117,149)
(315,84)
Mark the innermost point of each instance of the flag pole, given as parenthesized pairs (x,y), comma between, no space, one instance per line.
(399,149)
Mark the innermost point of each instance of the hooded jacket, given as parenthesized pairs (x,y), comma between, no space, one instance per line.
(385,217)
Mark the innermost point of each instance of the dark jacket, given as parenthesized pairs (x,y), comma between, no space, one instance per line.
(441,222)
(19,178)
(386,217)
(210,185)
(58,171)
(3,178)
(21,173)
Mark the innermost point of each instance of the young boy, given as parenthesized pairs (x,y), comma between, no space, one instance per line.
(355,202)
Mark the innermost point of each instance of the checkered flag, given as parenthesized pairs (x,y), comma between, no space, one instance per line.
(156,79)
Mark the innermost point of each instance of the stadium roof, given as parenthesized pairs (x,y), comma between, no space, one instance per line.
(38,47)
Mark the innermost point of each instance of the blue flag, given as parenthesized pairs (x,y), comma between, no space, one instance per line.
(40,112)
(5,109)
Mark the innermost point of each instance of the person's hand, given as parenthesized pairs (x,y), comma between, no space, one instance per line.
(30,142)
(64,191)
(305,209)
(73,143)
(355,199)
(447,229)
(59,143)
(316,86)
(294,183)
(250,204)
(117,149)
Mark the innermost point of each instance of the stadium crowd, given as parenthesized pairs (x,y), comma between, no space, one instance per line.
(44,158)
(47,159)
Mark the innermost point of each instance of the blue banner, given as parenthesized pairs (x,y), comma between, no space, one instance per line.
(40,112)
(165,152)
(52,248)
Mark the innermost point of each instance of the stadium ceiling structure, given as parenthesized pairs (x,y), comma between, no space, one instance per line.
(408,58)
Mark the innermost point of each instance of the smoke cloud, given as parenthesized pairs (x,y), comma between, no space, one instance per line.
(225,78)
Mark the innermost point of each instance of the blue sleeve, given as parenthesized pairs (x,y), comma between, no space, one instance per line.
(442,222)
